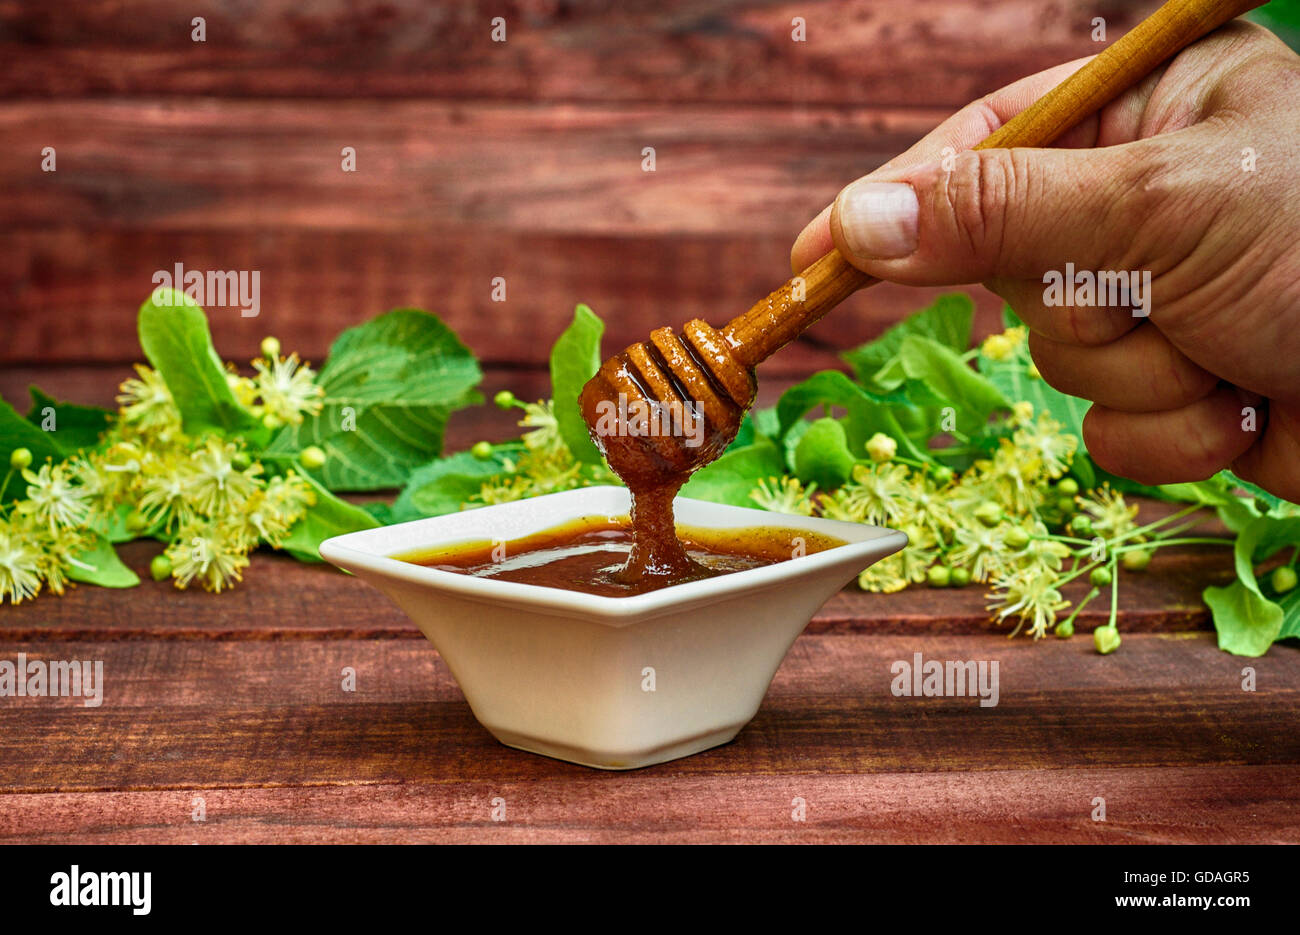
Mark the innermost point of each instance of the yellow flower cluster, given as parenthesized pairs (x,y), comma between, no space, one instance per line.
(544,466)
(986,524)
(205,497)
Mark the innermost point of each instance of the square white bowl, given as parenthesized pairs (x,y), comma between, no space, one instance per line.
(609,682)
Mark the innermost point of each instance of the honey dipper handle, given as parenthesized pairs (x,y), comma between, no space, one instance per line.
(780,318)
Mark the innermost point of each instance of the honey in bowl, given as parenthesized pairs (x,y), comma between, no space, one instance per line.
(588,555)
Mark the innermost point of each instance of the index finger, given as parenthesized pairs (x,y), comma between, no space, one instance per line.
(963,130)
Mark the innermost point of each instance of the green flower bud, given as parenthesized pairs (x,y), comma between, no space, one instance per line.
(1065,629)
(1100,577)
(938,576)
(160,567)
(504,400)
(942,475)
(241,461)
(20,458)
(1016,538)
(272,421)
(1068,487)
(136,521)
(988,513)
(1284,579)
(960,577)
(312,458)
(1106,639)
(482,450)
(1081,525)
(1066,506)
(1136,560)
(881,447)
(270,348)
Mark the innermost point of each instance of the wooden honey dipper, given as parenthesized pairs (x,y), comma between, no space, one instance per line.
(707,373)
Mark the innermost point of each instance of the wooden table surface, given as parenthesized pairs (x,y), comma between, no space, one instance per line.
(236,700)
(523,160)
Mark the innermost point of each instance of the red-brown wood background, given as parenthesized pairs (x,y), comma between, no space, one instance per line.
(475,158)
(522,159)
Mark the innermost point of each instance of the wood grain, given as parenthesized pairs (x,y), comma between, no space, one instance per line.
(281,599)
(1204,805)
(245,715)
(223,164)
(70,297)
(856,51)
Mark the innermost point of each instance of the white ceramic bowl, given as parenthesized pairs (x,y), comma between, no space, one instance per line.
(566,674)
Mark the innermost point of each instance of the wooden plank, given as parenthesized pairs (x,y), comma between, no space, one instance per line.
(281,599)
(242,165)
(856,52)
(70,296)
(192,716)
(1201,805)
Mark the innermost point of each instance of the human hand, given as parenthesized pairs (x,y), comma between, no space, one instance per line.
(1192,177)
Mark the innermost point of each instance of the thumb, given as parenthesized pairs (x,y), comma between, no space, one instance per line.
(995,213)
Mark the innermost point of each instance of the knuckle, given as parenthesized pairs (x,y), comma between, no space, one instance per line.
(979,187)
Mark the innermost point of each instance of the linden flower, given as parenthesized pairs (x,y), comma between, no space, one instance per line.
(58,553)
(885,576)
(918,555)
(19,566)
(147,402)
(114,470)
(1111,516)
(288,390)
(212,553)
(1013,474)
(1001,346)
(246,391)
(164,491)
(272,512)
(54,499)
(545,434)
(784,495)
(1050,446)
(1030,594)
(505,488)
(877,494)
(981,548)
(214,485)
(1041,552)
(929,507)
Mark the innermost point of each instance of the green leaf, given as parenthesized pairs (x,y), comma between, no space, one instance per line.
(734,476)
(380,510)
(1276,532)
(445,485)
(947,321)
(1012,378)
(1290,605)
(100,565)
(17,432)
(822,456)
(765,421)
(866,416)
(390,385)
(328,516)
(1247,622)
(71,427)
(174,335)
(940,369)
(1275,503)
(575,358)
